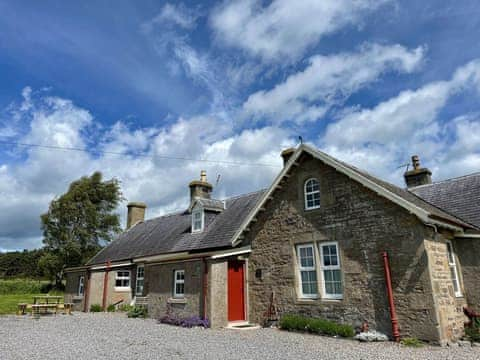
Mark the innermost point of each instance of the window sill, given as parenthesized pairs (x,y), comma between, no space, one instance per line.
(177,301)
(122,289)
(316,300)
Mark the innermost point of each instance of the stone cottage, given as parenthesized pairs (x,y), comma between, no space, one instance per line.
(315,243)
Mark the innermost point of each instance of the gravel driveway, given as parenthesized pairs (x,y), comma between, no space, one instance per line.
(113,336)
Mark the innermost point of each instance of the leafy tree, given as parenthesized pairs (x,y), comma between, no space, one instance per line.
(21,264)
(79,223)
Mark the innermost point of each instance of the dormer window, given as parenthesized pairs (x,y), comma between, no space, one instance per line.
(198,219)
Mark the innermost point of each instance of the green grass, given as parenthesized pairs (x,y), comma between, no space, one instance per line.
(23,286)
(9,303)
(411,342)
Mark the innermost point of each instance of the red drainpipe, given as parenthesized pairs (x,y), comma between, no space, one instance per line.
(205,287)
(105,286)
(87,292)
(393,313)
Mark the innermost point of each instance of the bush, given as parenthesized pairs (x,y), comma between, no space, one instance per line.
(125,308)
(137,311)
(411,342)
(96,308)
(22,286)
(315,326)
(111,308)
(473,334)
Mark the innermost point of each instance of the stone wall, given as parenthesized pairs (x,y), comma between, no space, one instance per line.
(159,279)
(71,289)
(364,224)
(449,307)
(468,253)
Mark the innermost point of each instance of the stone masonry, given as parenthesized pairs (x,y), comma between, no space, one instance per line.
(364,224)
(159,283)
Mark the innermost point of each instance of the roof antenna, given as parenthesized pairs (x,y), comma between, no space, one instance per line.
(300,139)
(406,166)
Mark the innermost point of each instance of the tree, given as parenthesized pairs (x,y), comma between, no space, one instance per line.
(79,223)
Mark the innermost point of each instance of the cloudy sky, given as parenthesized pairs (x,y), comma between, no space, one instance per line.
(147,88)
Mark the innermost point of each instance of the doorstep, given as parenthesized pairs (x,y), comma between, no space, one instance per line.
(242,325)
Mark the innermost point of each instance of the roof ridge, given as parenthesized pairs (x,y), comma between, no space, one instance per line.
(246,194)
(477,173)
(179,212)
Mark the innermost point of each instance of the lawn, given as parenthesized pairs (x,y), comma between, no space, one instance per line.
(15,291)
(8,303)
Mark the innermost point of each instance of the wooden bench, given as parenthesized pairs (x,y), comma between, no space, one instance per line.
(22,309)
(37,309)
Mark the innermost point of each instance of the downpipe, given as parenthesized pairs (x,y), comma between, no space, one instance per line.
(391,303)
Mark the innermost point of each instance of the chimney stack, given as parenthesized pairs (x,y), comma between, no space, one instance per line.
(136,213)
(418,175)
(286,154)
(200,189)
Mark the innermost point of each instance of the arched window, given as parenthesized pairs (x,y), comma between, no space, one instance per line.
(312,194)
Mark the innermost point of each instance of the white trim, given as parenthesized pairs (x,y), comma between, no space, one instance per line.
(239,251)
(300,268)
(453,265)
(81,285)
(137,278)
(195,211)
(467,236)
(102,267)
(306,207)
(123,278)
(422,214)
(178,281)
(329,267)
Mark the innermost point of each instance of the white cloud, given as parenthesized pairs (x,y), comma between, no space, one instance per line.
(172,14)
(306,95)
(38,175)
(385,136)
(283,29)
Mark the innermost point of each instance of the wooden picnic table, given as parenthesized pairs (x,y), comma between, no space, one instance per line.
(47,299)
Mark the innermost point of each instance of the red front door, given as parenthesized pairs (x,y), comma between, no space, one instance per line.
(236,300)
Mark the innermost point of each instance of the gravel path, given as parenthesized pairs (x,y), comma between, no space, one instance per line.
(113,336)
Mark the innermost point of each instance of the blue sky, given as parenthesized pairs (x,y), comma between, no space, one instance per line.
(371,82)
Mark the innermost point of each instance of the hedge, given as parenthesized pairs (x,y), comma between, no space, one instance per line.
(315,326)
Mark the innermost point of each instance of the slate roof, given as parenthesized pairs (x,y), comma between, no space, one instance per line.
(172,233)
(415,199)
(211,204)
(459,196)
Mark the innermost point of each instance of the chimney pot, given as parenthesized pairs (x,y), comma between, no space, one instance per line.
(200,188)
(286,154)
(418,175)
(136,213)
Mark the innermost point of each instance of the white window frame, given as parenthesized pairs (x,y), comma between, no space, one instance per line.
(81,286)
(198,210)
(330,267)
(142,278)
(307,268)
(122,278)
(178,281)
(452,264)
(305,193)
